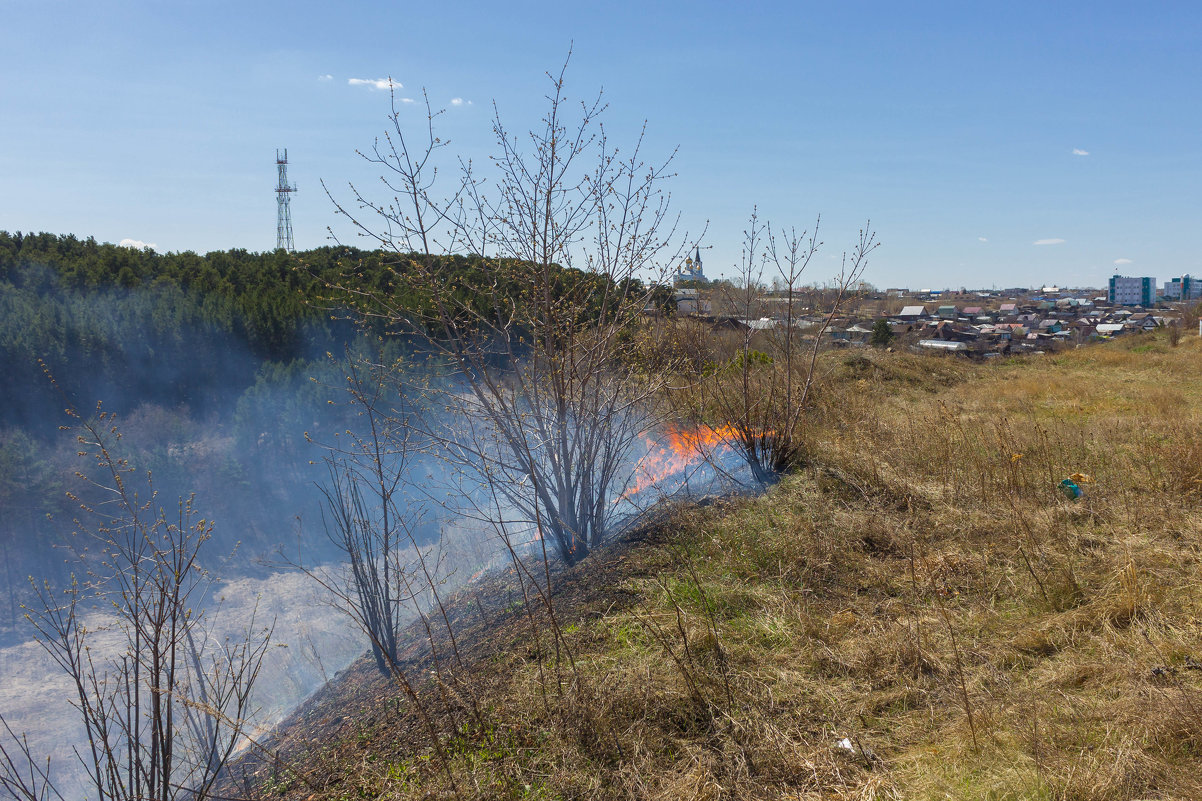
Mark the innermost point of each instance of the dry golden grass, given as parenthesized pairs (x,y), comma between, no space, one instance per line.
(920,615)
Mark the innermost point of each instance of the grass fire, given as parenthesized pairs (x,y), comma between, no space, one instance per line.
(918,614)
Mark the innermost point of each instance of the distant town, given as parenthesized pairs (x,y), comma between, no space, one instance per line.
(980,323)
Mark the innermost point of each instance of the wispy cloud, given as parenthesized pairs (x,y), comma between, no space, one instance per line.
(136,244)
(459,101)
(982,239)
(1048,242)
(375,83)
(406,100)
(1079,152)
(1120,262)
(326,77)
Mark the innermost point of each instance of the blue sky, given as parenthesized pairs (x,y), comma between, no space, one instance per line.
(967,133)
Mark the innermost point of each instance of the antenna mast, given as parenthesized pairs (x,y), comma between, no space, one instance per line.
(283,196)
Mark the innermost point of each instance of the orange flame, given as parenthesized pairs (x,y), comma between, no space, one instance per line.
(675,452)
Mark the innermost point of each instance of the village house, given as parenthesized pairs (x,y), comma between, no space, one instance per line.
(1142,321)
(944,345)
(689,301)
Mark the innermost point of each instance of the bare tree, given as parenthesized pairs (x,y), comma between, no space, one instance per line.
(365,515)
(374,517)
(762,394)
(162,698)
(545,407)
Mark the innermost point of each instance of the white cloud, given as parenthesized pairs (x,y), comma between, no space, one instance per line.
(1118,262)
(1048,242)
(326,77)
(136,244)
(459,101)
(1079,152)
(982,239)
(375,83)
(406,100)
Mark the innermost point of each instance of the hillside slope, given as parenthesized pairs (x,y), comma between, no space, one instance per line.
(922,613)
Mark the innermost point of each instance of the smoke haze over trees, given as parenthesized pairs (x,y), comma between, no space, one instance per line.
(218,366)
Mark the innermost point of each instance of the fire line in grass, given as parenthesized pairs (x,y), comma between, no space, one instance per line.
(678,449)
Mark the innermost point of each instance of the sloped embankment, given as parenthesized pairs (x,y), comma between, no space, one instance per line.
(922,613)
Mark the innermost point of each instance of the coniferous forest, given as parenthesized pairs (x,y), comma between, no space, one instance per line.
(216,366)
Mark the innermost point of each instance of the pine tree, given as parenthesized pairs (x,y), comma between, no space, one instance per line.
(882,334)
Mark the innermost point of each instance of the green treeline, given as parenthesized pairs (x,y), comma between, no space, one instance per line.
(131,327)
(98,315)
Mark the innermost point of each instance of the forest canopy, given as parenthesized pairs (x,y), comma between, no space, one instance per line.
(99,315)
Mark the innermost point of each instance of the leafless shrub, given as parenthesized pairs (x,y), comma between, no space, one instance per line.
(543,407)
(1174,333)
(163,701)
(763,395)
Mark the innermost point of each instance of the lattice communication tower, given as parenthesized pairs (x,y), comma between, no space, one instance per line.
(283,196)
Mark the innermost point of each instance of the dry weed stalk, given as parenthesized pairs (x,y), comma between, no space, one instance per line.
(951,631)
